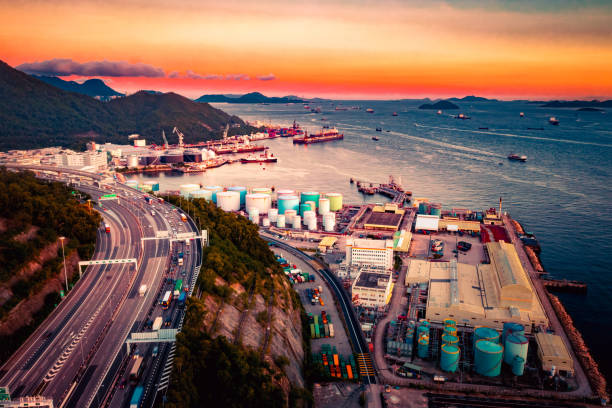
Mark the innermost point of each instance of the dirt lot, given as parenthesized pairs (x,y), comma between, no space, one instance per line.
(420,245)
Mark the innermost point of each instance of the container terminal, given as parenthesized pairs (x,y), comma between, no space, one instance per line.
(448,298)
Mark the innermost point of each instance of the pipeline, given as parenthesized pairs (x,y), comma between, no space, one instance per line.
(590,366)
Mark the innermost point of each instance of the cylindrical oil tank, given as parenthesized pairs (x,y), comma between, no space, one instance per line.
(323,205)
(488,358)
(185,189)
(516,345)
(329,227)
(449,358)
(205,194)
(450,322)
(132,161)
(132,183)
(423,208)
(304,208)
(309,214)
(313,205)
(150,159)
(329,219)
(335,201)
(280,221)
(297,222)
(289,216)
(436,209)
(518,365)
(260,201)
(309,196)
(214,190)
(423,346)
(252,211)
(510,328)
(241,190)
(192,156)
(288,202)
(272,214)
(449,339)
(153,185)
(228,200)
(450,330)
(285,191)
(262,190)
(255,219)
(265,222)
(173,157)
(312,224)
(486,333)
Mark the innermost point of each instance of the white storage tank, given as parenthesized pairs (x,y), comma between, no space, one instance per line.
(185,189)
(228,200)
(214,190)
(309,215)
(265,222)
(272,214)
(205,194)
(323,205)
(280,221)
(284,191)
(255,219)
(262,190)
(312,224)
(252,211)
(297,222)
(132,161)
(329,227)
(289,216)
(260,201)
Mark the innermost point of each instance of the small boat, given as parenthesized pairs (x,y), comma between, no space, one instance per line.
(532,128)
(522,115)
(462,116)
(387,131)
(553,121)
(439,112)
(516,157)
(376,138)
(394,113)
(378,129)
(483,128)
(370,110)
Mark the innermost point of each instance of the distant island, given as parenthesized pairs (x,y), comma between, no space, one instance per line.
(578,104)
(590,110)
(472,98)
(92,87)
(440,105)
(253,97)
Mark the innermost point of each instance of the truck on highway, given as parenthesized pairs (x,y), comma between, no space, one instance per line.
(136,370)
(155,351)
(180,259)
(136,397)
(157,323)
(148,199)
(177,288)
(142,290)
(182,298)
(183,217)
(107,228)
(166,300)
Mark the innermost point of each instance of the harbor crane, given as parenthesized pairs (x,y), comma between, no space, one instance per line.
(180,136)
(165,140)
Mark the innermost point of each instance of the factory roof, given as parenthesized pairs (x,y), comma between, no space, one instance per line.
(553,352)
(507,264)
(427,222)
(328,241)
(401,241)
(384,219)
(373,280)
(371,243)
(418,271)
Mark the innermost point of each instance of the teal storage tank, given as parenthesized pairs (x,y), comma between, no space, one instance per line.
(450,330)
(518,366)
(305,207)
(516,345)
(449,339)
(288,202)
(486,333)
(423,208)
(488,358)
(310,196)
(449,359)
(423,329)
(512,327)
(242,191)
(214,190)
(423,346)
(450,322)
(435,209)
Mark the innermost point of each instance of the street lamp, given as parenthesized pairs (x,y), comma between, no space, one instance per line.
(64,257)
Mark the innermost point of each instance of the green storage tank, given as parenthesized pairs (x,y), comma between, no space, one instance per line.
(435,209)
(423,208)
(510,328)
(305,207)
(450,322)
(516,345)
(488,358)
(449,359)
(450,330)
(449,339)
(309,196)
(214,190)
(423,346)
(288,202)
(518,366)
(486,333)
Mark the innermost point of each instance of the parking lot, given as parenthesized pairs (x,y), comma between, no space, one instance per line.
(421,243)
(340,340)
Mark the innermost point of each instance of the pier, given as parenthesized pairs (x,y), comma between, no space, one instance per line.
(564,285)
(392,189)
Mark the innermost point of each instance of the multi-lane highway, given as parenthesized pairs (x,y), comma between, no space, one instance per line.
(77,356)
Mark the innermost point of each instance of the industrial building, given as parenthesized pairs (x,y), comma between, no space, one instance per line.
(95,160)
(387,218)
(376,252)
(553,353)
(327,243)
(372,289)
(480,295)
(402,240)
(344,271)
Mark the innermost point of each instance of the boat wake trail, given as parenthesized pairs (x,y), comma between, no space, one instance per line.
(546,139)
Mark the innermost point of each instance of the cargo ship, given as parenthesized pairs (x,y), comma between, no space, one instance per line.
(325,135)
(263,158)
(238,149)
(517,157)
(294,130)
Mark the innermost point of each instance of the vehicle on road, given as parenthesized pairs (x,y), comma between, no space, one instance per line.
(107,228)
(464,246)
(136,397)
(136,370)
(157,323)
(166,300)
(155,351)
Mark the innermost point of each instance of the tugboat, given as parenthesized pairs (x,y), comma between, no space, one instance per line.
(439,112)
(376,138)
(553,121)
(379,129)
(516,157)
(522,115)
(370,110)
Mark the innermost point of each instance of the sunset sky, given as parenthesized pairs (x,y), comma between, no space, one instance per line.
(329,48)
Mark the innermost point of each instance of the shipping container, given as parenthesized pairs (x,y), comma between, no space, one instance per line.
(312,331)
(336,362)
(349,371)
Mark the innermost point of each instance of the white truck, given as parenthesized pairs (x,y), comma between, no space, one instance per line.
(157,323)
(142,290)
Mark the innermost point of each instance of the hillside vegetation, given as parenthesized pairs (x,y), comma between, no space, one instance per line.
(212,369)
(35,114)
(34,214)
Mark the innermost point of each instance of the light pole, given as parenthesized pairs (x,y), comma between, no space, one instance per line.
(64,257)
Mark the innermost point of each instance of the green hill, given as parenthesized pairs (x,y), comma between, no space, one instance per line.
(91,87)
(35,114)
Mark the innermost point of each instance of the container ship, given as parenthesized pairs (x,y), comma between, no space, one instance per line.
(263,158)
(325,135)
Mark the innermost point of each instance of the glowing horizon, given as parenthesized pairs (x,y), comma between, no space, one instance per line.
(337,49)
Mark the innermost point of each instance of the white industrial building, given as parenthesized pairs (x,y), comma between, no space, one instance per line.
(375,252)
(372,289)
(95,160)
